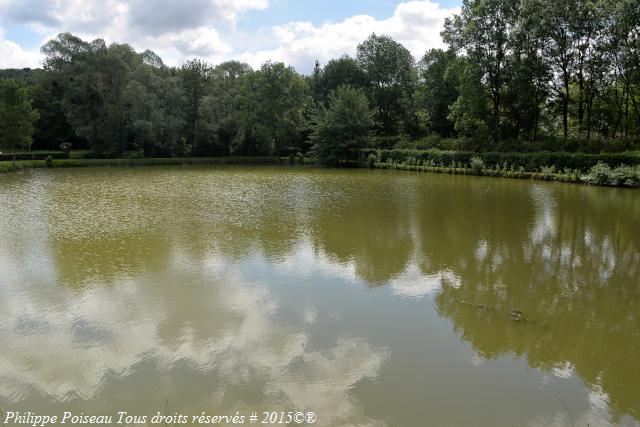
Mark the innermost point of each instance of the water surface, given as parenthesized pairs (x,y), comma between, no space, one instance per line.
(369,297)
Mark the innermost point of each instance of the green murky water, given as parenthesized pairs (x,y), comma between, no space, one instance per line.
(368,297)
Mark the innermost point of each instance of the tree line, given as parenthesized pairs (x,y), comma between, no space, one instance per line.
(517,75)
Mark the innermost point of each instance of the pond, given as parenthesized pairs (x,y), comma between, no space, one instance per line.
(368,297)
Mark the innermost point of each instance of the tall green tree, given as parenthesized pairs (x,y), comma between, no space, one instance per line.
(343,126)
(52,126)
(439,73)
(219,114)
(558,32)
(16,117)
(195,75)
(526,89)
(341,71)
(155,109)
(471,112)
(95,79)
(624,48)
(391,74)
(272,103)
(483,31)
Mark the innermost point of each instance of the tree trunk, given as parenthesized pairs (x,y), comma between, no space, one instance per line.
(636,110)
(496,119)
(589,109)
(626,117)
(565,107)
(536,109)
(565,120)
(580,98)
(496,105)
(635,105)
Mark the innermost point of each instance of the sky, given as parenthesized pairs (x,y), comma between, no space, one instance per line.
(296,32)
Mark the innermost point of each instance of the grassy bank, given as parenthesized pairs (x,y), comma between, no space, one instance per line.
(601,174)
(43,154)
(618,169)
(75,163)
(547,175)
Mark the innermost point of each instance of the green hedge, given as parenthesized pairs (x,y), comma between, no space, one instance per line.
(36,155)
(67,163)
(165,161)
(529,161)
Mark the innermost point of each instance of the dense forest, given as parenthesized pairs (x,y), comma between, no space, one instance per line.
(518,75)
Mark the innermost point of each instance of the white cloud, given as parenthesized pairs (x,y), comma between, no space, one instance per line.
(202,42)
(207,29)
(175,30)
(13,55)
(415,24)
(157,17)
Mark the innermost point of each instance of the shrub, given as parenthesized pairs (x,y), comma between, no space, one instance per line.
(547,171)
(371,160)
(627,176)
(66,148)
(477,165)
(603,174)
(598,174)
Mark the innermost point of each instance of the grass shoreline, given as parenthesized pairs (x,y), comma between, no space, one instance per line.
(573,177)
(545,174)
(6,166)
(601,174)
